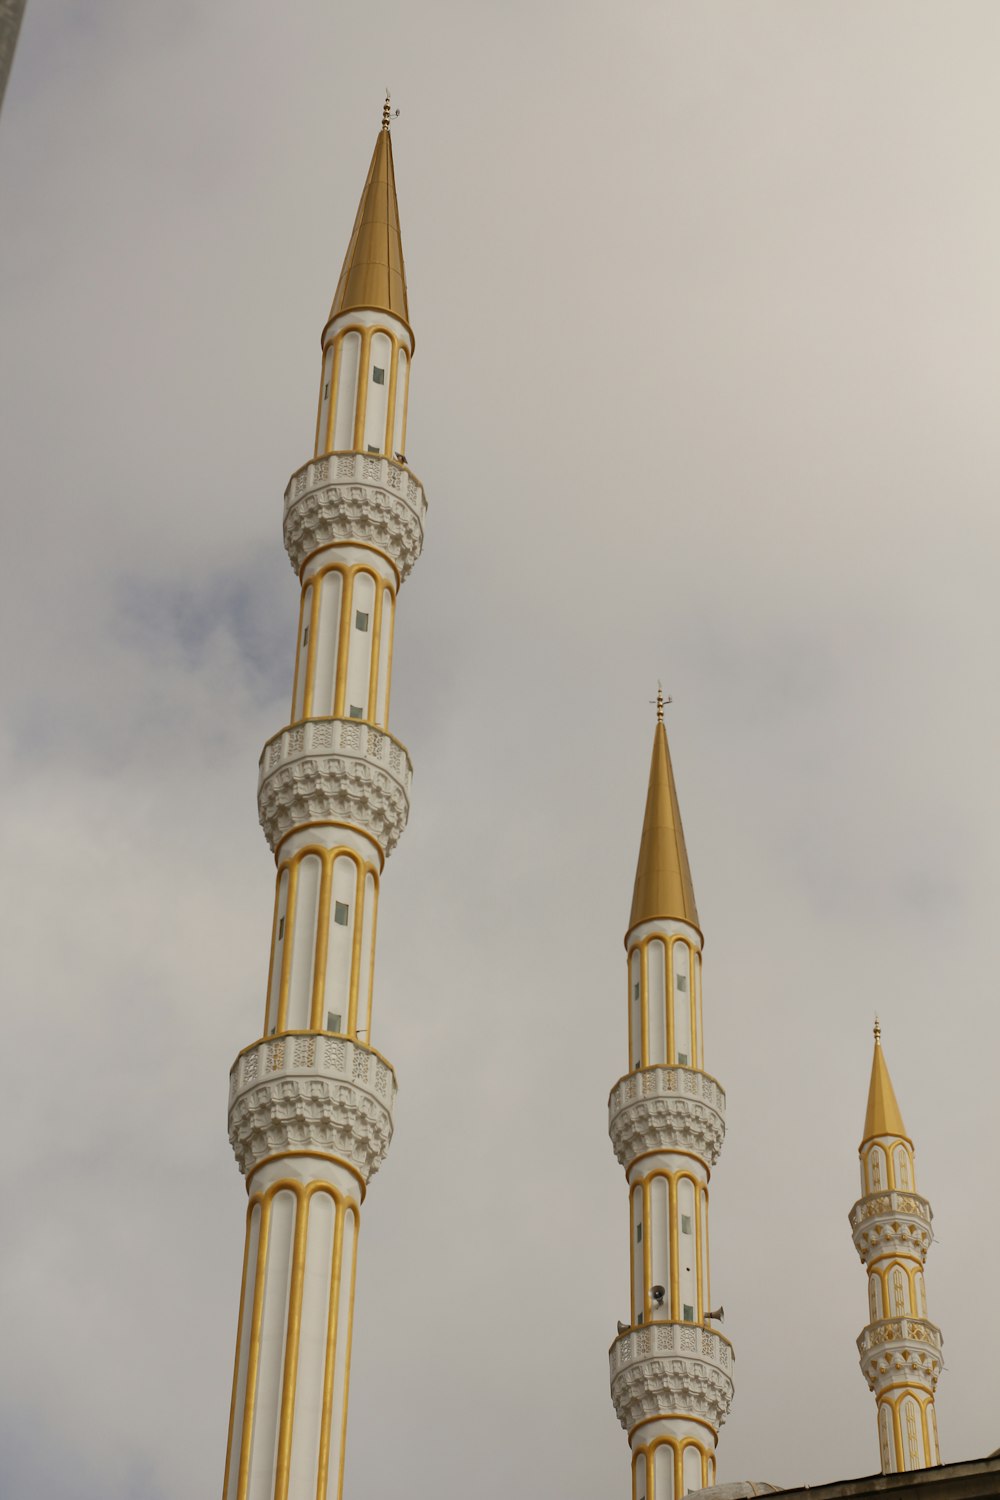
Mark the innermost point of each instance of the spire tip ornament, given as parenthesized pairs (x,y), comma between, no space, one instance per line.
(877,1032)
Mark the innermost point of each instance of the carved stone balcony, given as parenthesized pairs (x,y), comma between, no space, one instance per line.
(900,1349)
(355,497)
(671,1367)
(311,1091)
(334,770)
(666,1109)
(891,1223)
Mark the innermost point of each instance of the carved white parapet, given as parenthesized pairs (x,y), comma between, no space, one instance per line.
(666,1109)
(355,497)
(900,1350)
(671,1367)
(891,1223)
(338,770)
(311,1091)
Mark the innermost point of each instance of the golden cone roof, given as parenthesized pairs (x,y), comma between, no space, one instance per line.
(373,275)
(663,886)
(883,1116)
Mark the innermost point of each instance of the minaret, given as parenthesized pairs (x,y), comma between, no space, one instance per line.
(671,1371)
(900,1349)
(310,1103)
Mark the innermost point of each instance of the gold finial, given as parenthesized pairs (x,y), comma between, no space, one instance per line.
(388,113)
(878,1032)
(660,702)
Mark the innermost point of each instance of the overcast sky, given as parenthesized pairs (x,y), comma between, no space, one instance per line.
(708,353)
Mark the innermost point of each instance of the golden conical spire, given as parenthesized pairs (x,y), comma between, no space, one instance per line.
(883,1116)
(373,275)
(663,885)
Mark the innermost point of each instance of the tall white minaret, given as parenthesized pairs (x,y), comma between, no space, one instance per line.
(671,1371)
(310,1103)
(900,1349)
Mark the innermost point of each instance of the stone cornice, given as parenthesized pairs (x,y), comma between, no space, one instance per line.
(891,1223)
(334,770)
(311,1092)
(680,1368)
(900,1349)
(663,1109)
(355,497)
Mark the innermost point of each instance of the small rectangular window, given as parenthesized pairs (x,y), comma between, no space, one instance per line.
(373,447)
(281,928)
(355,712)
(332,1021)
(682,1059)
(638,1321)
(638,1234)
(682,982)
(361,619)
(305,636)
(326,390)
(340,913)
(685,1223)
(635,992)
(688,1313)
(378,375)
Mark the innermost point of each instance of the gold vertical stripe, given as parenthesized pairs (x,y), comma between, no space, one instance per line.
(647,1250)
(701,1014)
(307,697)
(286,957)
(678,1470)
(928,1455)
(331,1354)
(644,993)
(897,1434)
(298,653)
(290,1370)
(388,665)
(675,1267)
(370,870)
(708,1256)
(331,416)
(253,1360)
(322,942)
(698,1266)
(347,1359)
(239,1346)
(343,640)
(319,409)
(390,416)
(364,377)
(669,983)
(376,640)
(406,403)
(359,901)
(274,940)
(631,1245)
